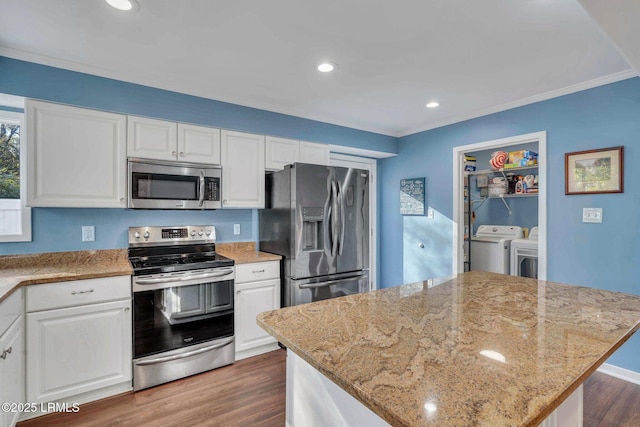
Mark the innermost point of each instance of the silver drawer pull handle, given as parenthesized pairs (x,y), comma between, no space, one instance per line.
(258,271)
(81,292)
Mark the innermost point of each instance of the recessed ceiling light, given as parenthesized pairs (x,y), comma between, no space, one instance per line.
(433,104)
(126,5)
(326,67)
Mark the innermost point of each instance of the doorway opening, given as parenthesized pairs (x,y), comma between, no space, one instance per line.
(458,195)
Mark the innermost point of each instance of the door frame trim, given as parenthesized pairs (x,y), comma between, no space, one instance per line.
(371,165)
(457,265)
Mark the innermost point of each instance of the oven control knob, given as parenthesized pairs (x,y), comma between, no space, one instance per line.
(200,233)
(208,232)
(146,235)
(136,235)
(193,232)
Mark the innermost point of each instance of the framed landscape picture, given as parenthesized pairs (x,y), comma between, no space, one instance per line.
(594,171)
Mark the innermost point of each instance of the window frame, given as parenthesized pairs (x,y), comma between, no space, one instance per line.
(25,212)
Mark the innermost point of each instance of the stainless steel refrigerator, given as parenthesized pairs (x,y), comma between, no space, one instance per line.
(317,218)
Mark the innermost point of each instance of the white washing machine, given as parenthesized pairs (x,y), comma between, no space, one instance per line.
(524,255)
(491,247)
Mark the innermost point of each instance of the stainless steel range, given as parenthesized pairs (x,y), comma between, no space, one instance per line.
(183,303)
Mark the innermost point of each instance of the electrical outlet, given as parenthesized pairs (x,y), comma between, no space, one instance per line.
(88,233)
(593,215)
(236,229)
(430,212)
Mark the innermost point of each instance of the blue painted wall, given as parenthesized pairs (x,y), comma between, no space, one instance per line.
(59,229)
(598,255)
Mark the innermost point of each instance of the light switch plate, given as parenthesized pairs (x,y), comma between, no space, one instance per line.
(592,215)
(430,212)
(236,229)
(88,233)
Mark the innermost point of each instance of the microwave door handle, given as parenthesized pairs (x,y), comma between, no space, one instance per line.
(201,198)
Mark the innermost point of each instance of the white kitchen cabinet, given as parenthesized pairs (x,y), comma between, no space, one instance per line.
(242,169)
(257,289)
(166,140)
(78,338)
(311,152)
(281,152)
(198,144)
(11,357)
(151,138)
(76,157)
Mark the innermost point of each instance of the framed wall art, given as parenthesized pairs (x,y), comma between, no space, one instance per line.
(412,196)
(594,171)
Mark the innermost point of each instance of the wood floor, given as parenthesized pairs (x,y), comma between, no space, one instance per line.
(252,393)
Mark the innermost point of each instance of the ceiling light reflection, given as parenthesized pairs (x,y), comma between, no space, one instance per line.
(494,355)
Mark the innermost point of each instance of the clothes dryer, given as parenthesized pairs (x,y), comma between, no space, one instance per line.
(491,247)
(524,255)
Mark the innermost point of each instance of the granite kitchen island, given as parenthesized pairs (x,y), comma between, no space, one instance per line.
(480,349)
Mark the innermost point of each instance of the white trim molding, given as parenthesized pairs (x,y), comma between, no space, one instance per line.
(621,373)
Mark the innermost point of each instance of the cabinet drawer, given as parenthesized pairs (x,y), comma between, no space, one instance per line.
(10,309)
(77,292)
(257,271)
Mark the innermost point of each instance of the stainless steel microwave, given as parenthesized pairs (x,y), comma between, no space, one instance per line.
(155,184)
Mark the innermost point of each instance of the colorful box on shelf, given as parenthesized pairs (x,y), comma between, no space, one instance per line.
(521,158)
(469,163)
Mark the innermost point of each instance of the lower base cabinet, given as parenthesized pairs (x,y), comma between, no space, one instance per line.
(82,347)
(257,289)
(11,359)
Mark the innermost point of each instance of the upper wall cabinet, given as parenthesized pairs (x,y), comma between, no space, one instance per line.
(164,140)
(242,170)
(76,157)
(281,152)
(311,152)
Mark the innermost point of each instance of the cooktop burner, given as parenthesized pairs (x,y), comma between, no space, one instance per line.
(154,250)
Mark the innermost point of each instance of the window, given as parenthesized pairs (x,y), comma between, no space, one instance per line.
(15,217)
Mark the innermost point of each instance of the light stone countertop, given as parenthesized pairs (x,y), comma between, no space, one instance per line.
(244,252)
(485,349)
(31,269)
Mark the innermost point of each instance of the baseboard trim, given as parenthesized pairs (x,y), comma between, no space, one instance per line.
(621,373)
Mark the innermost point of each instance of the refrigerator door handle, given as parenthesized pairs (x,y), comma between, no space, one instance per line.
(342,221)
(334,218)
(330,282)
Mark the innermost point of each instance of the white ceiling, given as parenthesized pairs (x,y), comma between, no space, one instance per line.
(474,57)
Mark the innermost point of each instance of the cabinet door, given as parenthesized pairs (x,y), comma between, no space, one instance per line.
(11,371)
(78,349)
(198,144)
(151,138)
(242,170)
(281,152)
(252,299)
(76,157)
(317,154)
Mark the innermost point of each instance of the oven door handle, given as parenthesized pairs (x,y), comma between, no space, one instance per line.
(183,355)
(157,280)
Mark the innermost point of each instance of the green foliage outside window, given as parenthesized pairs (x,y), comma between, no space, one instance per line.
(9,161)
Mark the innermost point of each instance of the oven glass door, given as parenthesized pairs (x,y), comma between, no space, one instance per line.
(175,317)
